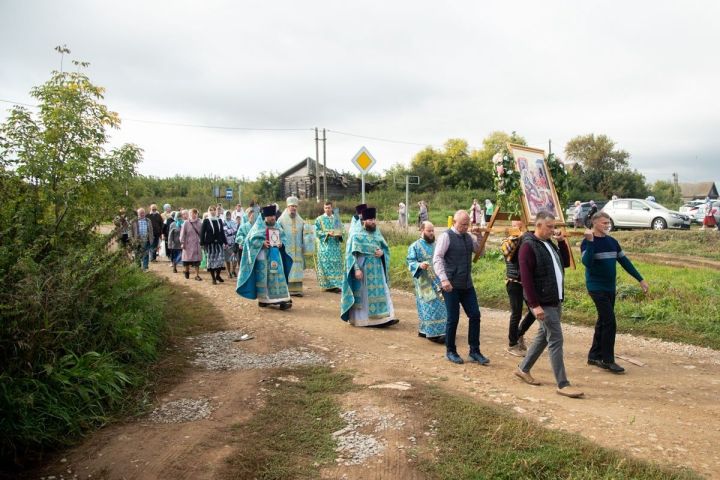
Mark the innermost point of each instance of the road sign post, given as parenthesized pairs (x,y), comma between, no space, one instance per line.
(228,194)
(364,161)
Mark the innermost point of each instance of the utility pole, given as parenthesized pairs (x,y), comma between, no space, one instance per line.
(324,140)
(549,147)
(317,167)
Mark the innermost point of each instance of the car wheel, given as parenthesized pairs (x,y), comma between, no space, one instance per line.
(659,224)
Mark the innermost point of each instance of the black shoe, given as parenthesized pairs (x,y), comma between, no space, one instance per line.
(440,339)
(220,279)
(263,305)
(187,275)
(612,367)
(478,357)
(454,357)
(421,335)
(394,321)
(285,305)
(595,363)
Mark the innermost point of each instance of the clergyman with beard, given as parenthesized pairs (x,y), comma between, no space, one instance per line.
(432,313)
(265,265)
(366,298)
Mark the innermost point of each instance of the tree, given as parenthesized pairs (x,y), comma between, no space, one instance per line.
(602,168)
(58,156)
(452,167)
(666,194)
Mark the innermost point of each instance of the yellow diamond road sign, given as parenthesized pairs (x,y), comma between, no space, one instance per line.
(363,160)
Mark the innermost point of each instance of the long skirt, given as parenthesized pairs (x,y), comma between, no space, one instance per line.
(215,256)
(230,255)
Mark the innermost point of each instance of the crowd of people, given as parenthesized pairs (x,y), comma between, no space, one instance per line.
(265,249)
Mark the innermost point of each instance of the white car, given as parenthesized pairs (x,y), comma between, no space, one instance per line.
(637,213)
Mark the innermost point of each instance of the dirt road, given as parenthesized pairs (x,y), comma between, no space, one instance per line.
(666,411)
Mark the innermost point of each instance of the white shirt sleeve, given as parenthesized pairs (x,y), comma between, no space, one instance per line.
(443,242)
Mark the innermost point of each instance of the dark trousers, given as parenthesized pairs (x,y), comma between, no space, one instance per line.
(603,346)
(467,298)
(517,328)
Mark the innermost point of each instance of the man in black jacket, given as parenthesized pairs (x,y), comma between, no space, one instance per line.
(157,224)
(542,265)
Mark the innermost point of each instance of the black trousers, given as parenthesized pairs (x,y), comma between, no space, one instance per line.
(603,346)
(517,328)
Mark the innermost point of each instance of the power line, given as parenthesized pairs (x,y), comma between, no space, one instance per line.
(379,139)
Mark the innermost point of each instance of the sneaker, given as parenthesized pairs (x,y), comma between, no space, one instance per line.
(479,358)
(516,350)
(454,357)
(526,377)
(521,343)
(570,392)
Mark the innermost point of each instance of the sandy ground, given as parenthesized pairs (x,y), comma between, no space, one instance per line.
(666,410)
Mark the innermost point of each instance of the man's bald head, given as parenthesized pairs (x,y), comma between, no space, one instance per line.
(461,221)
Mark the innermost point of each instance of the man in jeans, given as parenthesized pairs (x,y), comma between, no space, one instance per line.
(452,264)
(141,234)
(542,265)
(600,254)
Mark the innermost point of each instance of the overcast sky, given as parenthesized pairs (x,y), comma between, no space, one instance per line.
(643,72)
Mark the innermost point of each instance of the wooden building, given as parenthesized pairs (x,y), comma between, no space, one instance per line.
(698,191)
(300,181)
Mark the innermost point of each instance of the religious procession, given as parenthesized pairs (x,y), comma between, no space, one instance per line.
(266,249)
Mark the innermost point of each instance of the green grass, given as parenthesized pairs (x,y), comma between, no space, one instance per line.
(290,437)
(683,304)
(698,243)
(477,440)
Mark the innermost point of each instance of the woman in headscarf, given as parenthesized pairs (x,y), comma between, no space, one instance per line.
(174,248)
(190,244)
(212,239)
(230,249)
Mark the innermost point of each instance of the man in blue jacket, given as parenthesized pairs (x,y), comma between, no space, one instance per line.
(600,254)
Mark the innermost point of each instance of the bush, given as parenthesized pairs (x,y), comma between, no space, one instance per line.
(76,332)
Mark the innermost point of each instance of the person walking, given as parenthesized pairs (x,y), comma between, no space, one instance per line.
(141,235)
(329,233)
(578,220)
(402,215)
(365,294)
(476,213)
(190,244)
(593,210)
(542,265)
(231,250)
(212,239)
(432,313)
(513,285)
(600,254)
(174,248)
(122,227)
(157,225)
(452,262)
(489,209)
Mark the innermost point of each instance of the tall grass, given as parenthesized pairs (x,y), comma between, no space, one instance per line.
(76,332)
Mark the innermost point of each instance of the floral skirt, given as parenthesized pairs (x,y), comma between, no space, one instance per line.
(215,256)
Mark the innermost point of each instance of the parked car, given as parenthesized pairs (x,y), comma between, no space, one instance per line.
(637,213)
(570,211)
(690,206)
(699,212)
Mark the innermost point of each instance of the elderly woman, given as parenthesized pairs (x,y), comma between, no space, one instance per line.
(174,248)
(212,239)
(190,244)
(230,249)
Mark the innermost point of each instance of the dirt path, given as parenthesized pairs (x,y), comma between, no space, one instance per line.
(666,411)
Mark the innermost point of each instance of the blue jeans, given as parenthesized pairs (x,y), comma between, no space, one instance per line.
(467,298)
(142,254)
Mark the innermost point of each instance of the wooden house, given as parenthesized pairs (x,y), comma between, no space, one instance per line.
(300,180)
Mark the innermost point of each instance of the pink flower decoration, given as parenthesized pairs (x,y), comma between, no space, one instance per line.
(500,169)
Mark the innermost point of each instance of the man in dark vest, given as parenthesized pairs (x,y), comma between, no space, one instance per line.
(452,264)
(542,265)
